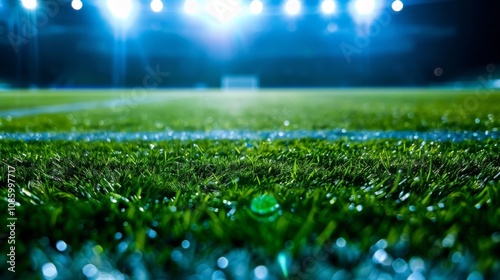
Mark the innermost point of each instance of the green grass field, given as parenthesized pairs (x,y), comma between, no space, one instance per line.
(259,209)
(393,109)
(31,99)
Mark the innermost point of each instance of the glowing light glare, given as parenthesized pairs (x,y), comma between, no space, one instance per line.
(120,8)
(49,271)
(397,6)
(76,4)
(328,7)
(292,7)
(364,7)
(256,7)
(156,6)
(191,7)
(223,10)
(29,4)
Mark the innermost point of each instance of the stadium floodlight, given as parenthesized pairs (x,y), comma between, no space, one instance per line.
(364,7)
(192,7)
(120,8)
(292,7)
(397,6)
(156,6)
(365,11)
(328,7)
(29,4)
(223,10)
(76,4)
(256,7)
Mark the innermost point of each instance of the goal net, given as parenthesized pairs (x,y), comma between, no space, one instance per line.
(240,82)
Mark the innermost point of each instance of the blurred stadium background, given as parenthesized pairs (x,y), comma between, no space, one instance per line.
(282,43)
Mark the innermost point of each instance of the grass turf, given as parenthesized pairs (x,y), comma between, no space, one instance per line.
(437,199)
(286,110)
(19,99)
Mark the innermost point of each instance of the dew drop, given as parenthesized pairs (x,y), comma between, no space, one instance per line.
(222,262)
(260,272)
(61,245)
(49,271)
(90,270)
(185,244)
(341,242)
(265,206)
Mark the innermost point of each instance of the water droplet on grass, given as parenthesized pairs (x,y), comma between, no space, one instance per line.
(151,233)
(61,245)
(380,256)
(404,196)
(265,207)
(399,266)
(49,271)
(185,244)
(122,247)
(90,270)
(341,242)
(260,272)
(417,264)
(231,212)
(222,262)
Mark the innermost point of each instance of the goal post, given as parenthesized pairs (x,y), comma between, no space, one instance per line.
(239,82)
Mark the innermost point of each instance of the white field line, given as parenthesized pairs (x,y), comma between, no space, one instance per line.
(71,107)
(331,135)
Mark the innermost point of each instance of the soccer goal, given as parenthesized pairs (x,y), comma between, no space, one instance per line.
(239,82)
